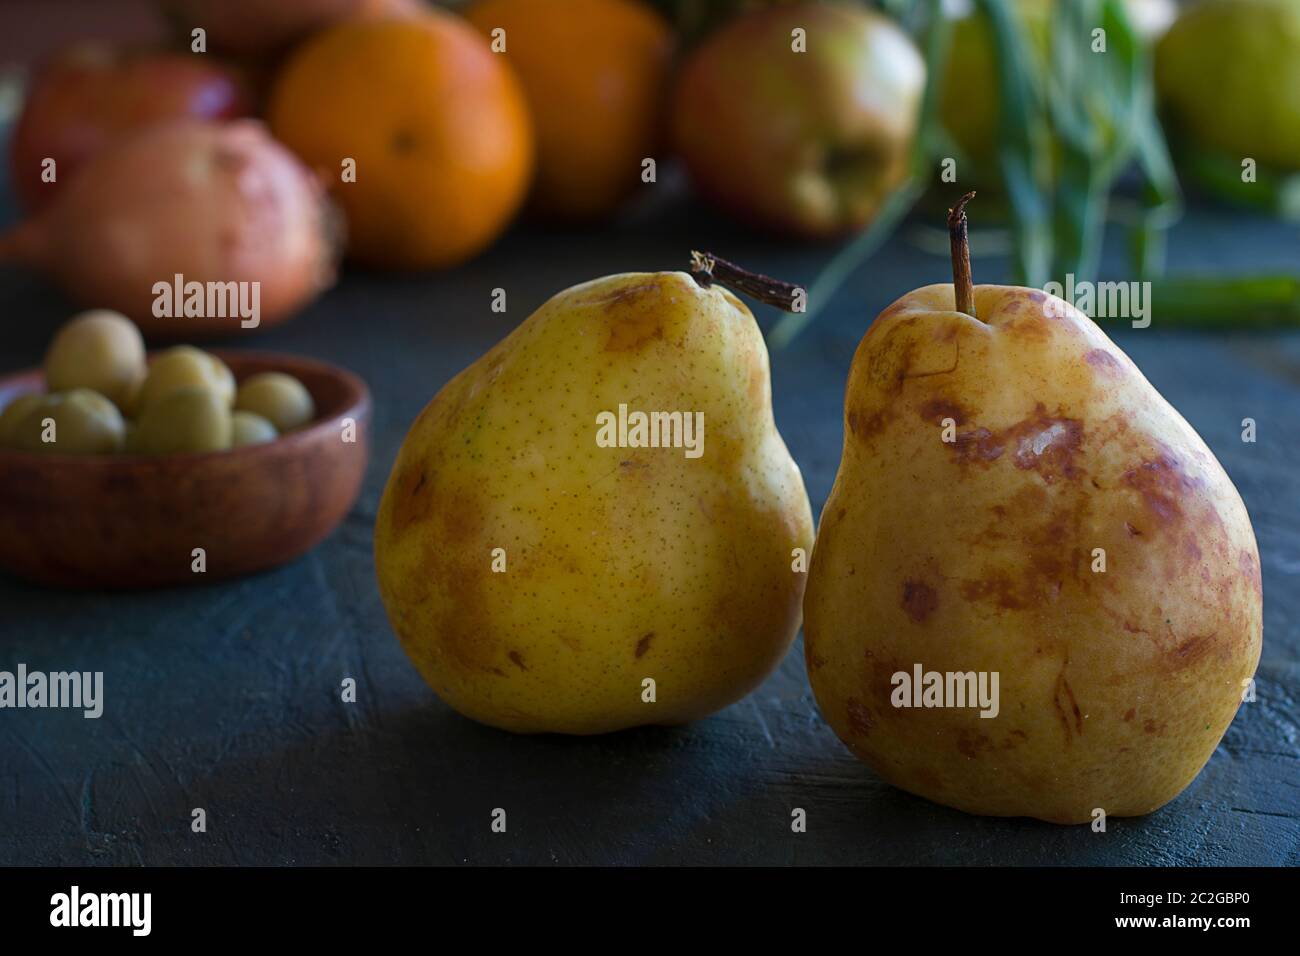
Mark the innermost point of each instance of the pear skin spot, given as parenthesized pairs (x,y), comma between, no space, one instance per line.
(634,335)
(1103,362)
(627,294)
(1047,556)
(444,408)
(464,629)
(758,380)
(863,427)
(455,561)
(937,409)
(1032,329)
(919,600)
(1014,739)
(1067,708)
(899,305)
(971,744)
(1161,482)
(979,444)
(1191,650)
(1049,445)
(412,501)
(891,361)
(518,660)
(860,718)
(463,518)
(888,368)
(635,318)
(1250,571)
(997,588)
(643,644)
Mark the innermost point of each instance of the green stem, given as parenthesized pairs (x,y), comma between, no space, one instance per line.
(1247,302)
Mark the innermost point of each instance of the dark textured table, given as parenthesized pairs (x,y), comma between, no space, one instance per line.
(227,696)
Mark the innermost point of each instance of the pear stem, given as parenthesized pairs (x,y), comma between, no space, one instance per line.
(962,283)
(706,268)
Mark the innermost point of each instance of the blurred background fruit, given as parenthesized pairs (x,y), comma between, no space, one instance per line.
(252,27)
(99,350)
(595,73)
(91,94)
(803,143)
(207,201)
(437,126)
(969,96)
(1228,76)
(278,398)
(104,395)
(14,413)
(192,419)
(431,142)
(249,428)
(75,422)
(695,19)
(968,93)
(181,367)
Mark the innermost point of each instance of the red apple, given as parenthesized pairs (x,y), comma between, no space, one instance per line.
(91,95)
(804,143)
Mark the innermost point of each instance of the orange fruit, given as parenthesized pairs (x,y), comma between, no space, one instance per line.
(595,73)
(435,122)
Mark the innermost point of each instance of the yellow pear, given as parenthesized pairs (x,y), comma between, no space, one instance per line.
(547,568)
(1016,499)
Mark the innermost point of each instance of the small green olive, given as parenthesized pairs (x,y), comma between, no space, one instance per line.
(193,418)
(13,414)
(249,428)
(280,399)
(184,367)
(76,422)
(99,350)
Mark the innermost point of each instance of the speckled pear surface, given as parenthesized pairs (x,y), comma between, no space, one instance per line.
(988,464)
(622,564)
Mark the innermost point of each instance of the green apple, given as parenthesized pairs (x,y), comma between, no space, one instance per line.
(1228,76)
(800,118)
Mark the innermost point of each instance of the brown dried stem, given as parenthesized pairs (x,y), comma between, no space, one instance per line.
(962,283)
(706,268)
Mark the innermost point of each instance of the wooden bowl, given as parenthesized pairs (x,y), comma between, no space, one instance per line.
(101,521)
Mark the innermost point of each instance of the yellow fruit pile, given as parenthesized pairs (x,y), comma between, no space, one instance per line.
(104,397)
